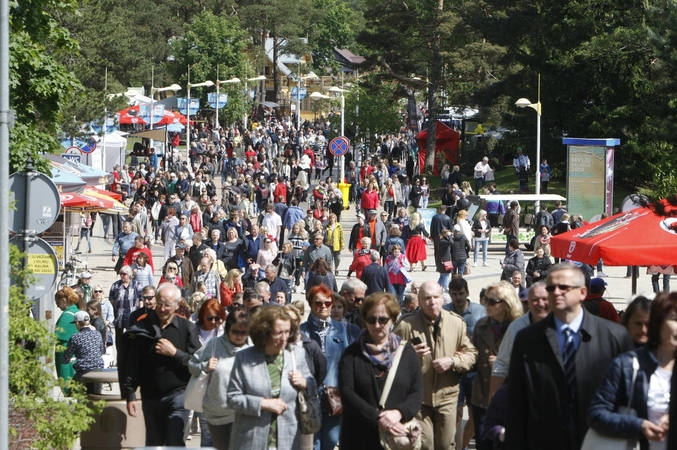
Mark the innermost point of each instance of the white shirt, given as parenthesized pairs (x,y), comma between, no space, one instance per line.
(272,221)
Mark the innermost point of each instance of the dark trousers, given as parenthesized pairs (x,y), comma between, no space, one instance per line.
(482,442)
(165,419)
(220,435)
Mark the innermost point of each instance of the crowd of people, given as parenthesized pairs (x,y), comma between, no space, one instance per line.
(539,347)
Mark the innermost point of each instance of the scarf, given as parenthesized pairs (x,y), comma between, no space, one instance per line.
(499,329)
(321,328)
(382,358)
(545,240)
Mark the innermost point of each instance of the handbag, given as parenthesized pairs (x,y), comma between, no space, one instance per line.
(448,265)
(196,390)
(412,440)
(597,441)
(467,270)
(331,398)
(307,409)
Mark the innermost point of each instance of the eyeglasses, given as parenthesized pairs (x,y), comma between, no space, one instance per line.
(494,301)
(563,288)
(98,291)
(213,319)
(371,320)
(325,304)
(148,297)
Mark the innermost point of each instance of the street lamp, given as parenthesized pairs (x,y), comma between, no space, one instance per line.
(207,83)
(525,103)
(153,90)
(218,105)
(246,90)
(298,98)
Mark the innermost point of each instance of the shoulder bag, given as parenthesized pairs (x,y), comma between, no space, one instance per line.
(594,440)
(412,440)
(307,409)
(197,387)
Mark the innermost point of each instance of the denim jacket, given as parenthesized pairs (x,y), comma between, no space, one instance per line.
(337,341)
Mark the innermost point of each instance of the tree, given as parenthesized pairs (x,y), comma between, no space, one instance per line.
(339,25)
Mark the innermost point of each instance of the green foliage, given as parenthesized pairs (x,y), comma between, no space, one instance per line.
(31,383)
(338,27)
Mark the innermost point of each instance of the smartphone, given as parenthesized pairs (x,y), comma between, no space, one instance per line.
(416,340)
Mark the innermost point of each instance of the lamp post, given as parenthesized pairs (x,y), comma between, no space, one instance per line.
(525,103)
(298,98)
(153,90)
(207,83)
(218,104)
(246,90)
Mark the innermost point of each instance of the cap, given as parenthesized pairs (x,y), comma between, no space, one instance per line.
(457,228)
(524,295)
(597,284)
(80,316)
(180,245)
(372,211)
(360,215)
(86,274)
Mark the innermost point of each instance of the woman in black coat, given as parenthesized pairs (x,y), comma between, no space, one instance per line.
(443,244)
(363,371)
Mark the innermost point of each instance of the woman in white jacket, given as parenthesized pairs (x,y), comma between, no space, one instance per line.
(236,337)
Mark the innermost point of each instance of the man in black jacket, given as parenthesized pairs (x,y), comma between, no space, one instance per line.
(375,276)
(557,365)
(157,361)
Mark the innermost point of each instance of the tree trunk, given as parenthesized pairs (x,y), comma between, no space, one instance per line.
(433,89)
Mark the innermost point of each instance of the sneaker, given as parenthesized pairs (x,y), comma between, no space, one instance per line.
(602,275)
(485,264)
(474,264)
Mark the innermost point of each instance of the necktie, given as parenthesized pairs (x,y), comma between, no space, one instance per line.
(569,358)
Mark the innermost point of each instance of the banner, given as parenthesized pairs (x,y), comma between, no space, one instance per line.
(158,112)
(211,99)
(586,180)
(194,105)
(295,90)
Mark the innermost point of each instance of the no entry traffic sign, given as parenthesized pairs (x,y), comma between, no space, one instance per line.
(339,146)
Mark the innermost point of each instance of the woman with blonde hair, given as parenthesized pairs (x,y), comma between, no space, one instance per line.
(230,285)
(415,245)
(462,221)
(216,264)
(335,240)
(503,307)
(466,189)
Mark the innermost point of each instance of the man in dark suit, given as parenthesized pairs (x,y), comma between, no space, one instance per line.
(439,222)
(556,366)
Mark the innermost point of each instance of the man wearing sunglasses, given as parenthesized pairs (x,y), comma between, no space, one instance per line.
(148,296)
(556,366)
(441,341)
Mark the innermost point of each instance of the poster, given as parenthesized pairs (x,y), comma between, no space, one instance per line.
(586,180)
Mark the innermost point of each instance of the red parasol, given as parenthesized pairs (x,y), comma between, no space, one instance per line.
(132,115)
(638,237)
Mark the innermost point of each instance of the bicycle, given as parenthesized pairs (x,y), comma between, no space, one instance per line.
(69,276)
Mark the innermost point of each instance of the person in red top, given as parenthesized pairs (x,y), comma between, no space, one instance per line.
(308,151)
(361,258)
(370,198)
(249,153)
(280,189)
(133,252)
(595,303)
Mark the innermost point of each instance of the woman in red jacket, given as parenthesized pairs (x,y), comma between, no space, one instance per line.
(370,198)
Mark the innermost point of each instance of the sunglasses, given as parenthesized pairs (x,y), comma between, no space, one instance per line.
(238,332)
(371,320)
(494,301)
(148,297)
(564,288)
(213,319)
(359,299)
(325,304)
(98,291)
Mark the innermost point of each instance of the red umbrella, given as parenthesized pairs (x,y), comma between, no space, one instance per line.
(172,117)
(638,237)
(70,200)
(132,115)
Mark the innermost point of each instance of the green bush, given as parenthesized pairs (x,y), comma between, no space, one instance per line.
(39,420)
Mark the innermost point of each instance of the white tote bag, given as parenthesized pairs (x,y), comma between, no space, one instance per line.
(196,390)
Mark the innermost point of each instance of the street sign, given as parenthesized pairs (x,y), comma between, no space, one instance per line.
(295,93)
(339,146)
(71,157)
(91,146)
(41,262)
(37,211)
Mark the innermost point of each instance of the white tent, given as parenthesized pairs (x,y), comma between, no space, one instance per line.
(114,151)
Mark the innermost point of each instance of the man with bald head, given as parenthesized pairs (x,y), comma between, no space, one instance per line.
(442,343)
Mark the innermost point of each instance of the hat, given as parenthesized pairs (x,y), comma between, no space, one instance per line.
(180,245)
(80,316)
(360,215)
(519,149)
(372,211)
(597,284)
(457,228)
(86,274)
(524,295)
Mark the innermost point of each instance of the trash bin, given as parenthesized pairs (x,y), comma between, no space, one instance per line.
(113,428)
(345,192)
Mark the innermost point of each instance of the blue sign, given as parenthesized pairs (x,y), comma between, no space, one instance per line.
(158,112)
(252,93)
(211,99)
(339,146)
(295,90)
(71,157)
(183,109)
